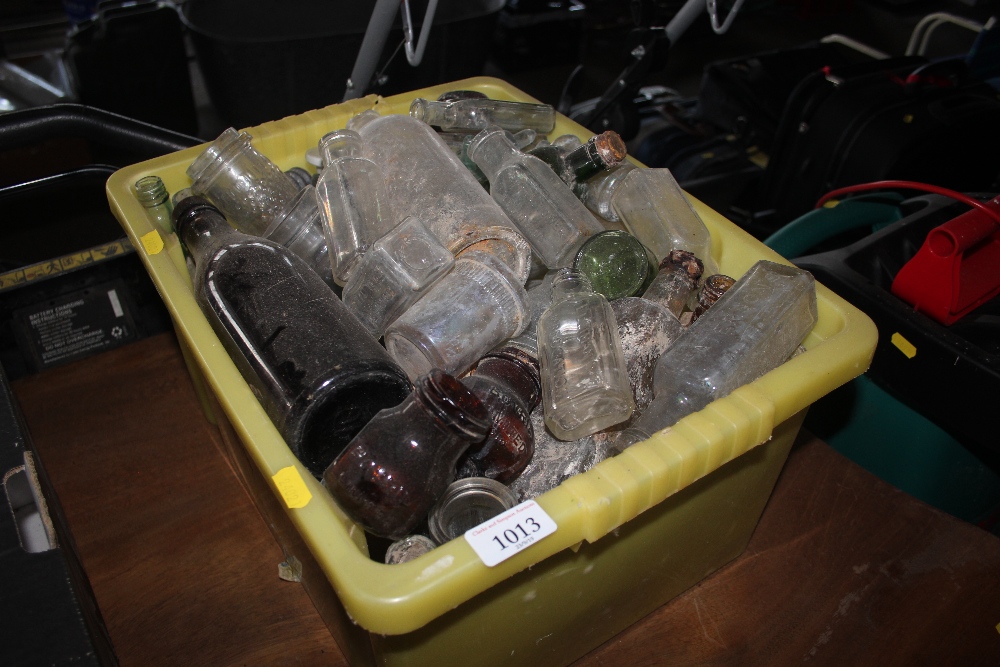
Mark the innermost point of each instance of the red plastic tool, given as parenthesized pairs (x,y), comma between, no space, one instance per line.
(956,270)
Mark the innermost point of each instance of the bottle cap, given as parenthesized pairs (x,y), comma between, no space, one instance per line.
(466,503)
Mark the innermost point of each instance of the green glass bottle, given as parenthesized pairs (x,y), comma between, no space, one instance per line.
(615,263)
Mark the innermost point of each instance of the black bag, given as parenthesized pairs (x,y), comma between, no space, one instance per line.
(900,118)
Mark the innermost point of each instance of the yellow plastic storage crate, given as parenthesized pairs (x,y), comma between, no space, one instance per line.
(632,533)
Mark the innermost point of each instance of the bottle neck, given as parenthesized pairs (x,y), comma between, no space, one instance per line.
(151,192)
(491,149)
(517,369)
(227,146)
(453,406)
(340,143)
(568,282)
(201,226)
(432,113)
(599,153)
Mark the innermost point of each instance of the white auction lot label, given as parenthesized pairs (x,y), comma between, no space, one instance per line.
(506,534)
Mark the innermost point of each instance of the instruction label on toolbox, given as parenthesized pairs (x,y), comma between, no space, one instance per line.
(74,325)
(506,534)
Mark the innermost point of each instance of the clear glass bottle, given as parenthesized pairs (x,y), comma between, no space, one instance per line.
(584,384)
(546,212)
(422,174)
(507,382)
(152,194)
(653,207)
(615,263)
(646,330)
(301,231)
(539,295)
(318,374)
(353,203)
(403,460)
(675,282)
(249,189)
(478,114)
(466,503)
(409,548)
(399,269)
(597,192)
(474,308)
(752,329)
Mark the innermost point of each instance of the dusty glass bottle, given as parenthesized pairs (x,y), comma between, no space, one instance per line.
(752,329)
(615,263)
(409,548)
(249,189)
(353,202)
(546,212)
(402,461)
(507,382)
(675,282)
(399,269)
(584,384)
(478,114)
(319,375)
(301,231)
(555,460)
(152,194)
(539,297)
(597,192)
(474,308)
(422,174)
(655,210)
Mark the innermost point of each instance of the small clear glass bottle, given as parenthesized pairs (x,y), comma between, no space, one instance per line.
(249,189)
(402,461)
(399,269)
(585,387)
(539,295)
(546,212)
(675,282)
(422,174)
(653,207)
(597,192)
(474,308)
(353,202)
(301,231)
(152,194)
(507,382)
(409,548)
(466,503)
(318,374)
(478,114)
(615,263)
(752,329)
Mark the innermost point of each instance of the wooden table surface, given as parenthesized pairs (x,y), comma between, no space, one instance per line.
(843,569)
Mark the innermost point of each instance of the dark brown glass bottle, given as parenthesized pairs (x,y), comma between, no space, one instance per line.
(316,370)
(398,466)
(508,384)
